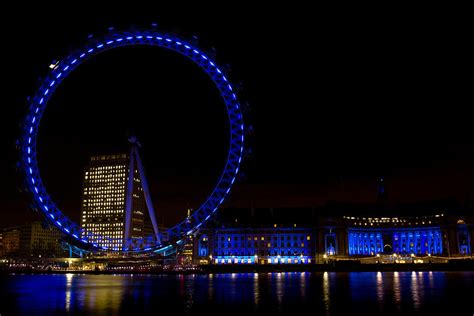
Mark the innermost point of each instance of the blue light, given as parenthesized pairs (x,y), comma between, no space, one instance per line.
(46,208)
(75,236)
(31,171)
(52,216)
(67,230)
(57,222)
(228,176)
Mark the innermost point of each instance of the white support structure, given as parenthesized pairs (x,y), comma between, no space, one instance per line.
(135,161)
(149,204)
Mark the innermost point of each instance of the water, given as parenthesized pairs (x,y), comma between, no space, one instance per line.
(321,293)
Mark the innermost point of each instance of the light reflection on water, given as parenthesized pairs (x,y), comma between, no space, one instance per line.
(69,277)
(397,289)
(256,291)
(279,288)
(415,291)
(380,289)
(323,292)
(326,297)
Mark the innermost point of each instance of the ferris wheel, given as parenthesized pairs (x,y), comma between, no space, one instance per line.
(62,69)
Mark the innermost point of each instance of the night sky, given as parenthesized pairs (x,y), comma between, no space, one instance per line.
(335,100)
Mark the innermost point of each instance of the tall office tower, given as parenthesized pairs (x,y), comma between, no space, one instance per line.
(103,202)
(114,212)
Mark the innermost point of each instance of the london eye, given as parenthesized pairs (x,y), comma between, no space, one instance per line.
(62,69)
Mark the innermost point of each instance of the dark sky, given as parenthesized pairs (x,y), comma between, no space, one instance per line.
(336,100)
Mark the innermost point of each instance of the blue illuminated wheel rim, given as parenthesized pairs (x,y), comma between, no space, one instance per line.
(62,69)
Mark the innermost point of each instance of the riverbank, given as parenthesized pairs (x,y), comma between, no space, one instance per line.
(336,266)
(343,266)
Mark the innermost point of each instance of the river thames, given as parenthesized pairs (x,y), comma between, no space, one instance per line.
(316,293)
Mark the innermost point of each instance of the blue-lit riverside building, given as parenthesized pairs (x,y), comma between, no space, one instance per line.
(277,245)
(335,231)
(423,238)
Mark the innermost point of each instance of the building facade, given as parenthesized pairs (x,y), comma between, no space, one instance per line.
(33,239)
(105,192)
(273,245)
(267,236)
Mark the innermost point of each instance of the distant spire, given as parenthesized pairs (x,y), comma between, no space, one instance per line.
(382,192)
(188,217)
